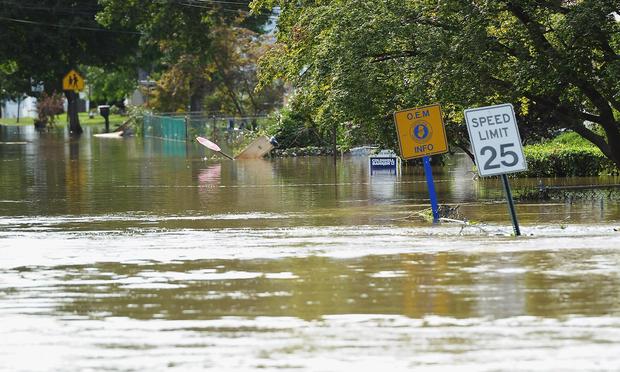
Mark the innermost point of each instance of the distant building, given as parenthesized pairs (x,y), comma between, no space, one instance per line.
(26,108)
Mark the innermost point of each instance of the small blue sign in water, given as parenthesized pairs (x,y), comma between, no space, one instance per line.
(384,164)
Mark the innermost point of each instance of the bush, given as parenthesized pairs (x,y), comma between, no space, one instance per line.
(48,106)
(303,151)
(566,156)
(294,129)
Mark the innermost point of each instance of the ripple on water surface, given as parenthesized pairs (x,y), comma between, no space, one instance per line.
(333,298)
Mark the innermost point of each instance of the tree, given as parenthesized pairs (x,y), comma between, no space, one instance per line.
(234,73)
(109,86)
(358,61)
(47,38)
(11,89)
(184,34)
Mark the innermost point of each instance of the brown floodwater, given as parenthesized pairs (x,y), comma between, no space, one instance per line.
(143,254)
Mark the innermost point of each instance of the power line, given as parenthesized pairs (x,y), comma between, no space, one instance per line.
(69,26)
(213,5)
(55,9)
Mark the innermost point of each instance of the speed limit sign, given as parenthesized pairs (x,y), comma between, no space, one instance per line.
(495,140)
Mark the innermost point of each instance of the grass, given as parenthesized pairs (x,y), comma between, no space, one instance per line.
(115,120)
(572,139)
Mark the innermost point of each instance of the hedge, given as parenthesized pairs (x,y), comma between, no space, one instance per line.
(554,159)
(302,151)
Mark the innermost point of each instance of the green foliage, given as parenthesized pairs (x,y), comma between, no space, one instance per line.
(11,88)
(570,139)
(303,151)
(294,129)
(107,86)
(205,53)
(358,61)
(46,39)
(566,156)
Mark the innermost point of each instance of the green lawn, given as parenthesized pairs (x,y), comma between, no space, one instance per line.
(61,119)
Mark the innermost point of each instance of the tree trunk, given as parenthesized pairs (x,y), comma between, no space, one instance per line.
(72,113)
(335,141)
(19,103)
(197,94)
(613,139)
(195,101)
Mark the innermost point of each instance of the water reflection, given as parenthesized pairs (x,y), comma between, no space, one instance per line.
(415,285)
(209,180)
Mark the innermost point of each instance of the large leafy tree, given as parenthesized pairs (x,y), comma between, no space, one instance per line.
(47,38)
(234,74)
(193,42)
(357,61)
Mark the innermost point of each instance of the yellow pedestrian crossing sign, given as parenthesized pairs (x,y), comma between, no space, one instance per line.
(73,81)
(421,132)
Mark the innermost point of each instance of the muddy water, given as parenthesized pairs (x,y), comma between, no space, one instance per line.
(135,254)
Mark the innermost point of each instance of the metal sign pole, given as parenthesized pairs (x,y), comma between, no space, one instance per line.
(511,205)
(428,172)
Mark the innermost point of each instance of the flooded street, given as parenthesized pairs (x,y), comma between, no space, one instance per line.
(140,254)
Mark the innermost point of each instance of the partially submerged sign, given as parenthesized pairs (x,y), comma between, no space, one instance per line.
(257,149)
(421,132)
(495,140)
(496,144)
(73,81)
(385,161)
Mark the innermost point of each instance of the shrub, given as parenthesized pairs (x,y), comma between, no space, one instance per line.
(303,151)
(48,106)
(567,155)
(294,129)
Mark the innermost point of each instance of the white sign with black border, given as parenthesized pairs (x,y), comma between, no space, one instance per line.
(495,140)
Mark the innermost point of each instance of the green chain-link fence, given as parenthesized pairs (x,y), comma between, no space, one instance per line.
(187,127)
(167,127)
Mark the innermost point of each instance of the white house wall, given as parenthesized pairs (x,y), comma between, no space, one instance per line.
(27,108)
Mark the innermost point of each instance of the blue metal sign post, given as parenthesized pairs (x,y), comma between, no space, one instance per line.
(428,172)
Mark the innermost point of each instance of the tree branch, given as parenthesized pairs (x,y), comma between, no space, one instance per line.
(555,5)
(541,43)
(392,55)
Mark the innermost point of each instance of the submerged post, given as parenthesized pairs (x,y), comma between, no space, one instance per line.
(511,205)
(430,183)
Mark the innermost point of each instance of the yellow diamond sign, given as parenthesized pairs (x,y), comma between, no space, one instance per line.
(73,81)
(421,132)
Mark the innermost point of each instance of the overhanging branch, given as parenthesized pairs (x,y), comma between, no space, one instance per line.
(536,32)
(392,55)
